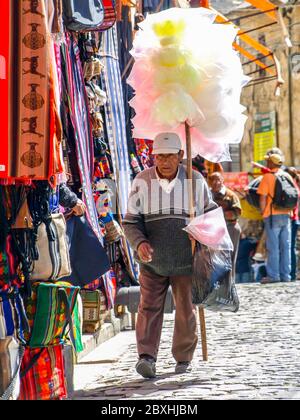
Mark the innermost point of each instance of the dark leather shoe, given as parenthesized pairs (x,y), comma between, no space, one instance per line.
(146,367)
(183,367)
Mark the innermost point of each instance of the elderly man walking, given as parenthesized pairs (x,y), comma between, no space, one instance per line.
(158,210)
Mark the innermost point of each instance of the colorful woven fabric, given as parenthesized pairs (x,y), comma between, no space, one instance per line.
(77,323)
(109,15)
(114,115)
(47,313)
(8,268)
(110,288)
(46,379)
(5,34)
(13,321)
(115,124)
(31,146)
(80,119)
(30,140)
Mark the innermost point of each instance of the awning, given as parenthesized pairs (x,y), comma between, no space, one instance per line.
(254,51)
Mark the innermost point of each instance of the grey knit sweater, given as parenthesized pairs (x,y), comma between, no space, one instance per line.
(157,217)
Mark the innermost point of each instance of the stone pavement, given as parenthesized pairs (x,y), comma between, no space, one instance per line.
(254,354)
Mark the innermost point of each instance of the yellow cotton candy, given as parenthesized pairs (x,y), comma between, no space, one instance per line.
(190,77)
(169,28)
(170,56)
(175,107)
(187,76)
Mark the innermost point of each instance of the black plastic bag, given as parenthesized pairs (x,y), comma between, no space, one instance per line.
(213,284)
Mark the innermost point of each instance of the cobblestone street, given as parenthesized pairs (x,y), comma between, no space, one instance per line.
(252,355)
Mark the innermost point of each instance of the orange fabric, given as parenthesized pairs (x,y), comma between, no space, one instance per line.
(267,188)
(264,5)
(254,59)
(253,44)
(256,45)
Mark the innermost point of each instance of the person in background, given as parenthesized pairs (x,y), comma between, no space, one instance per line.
(232,209)
(63,196)
(277,224)
(295,225)
(69,200)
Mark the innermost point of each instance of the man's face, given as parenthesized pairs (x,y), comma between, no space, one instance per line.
(216,183)
(167,164)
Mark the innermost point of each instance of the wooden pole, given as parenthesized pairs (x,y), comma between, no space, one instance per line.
(192,215)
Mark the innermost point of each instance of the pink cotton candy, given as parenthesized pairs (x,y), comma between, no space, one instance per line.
(186,71)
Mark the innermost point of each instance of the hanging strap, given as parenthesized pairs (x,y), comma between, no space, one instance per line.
(32,362)
(64,298)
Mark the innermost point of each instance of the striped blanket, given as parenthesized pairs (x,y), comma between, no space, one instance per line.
(115,121)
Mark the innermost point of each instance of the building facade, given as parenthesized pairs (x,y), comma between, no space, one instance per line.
(271,115)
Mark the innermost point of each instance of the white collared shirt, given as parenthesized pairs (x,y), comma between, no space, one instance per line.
(165,184)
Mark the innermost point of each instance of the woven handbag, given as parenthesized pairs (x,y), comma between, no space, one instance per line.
(94,310)
(54,258)
(43,374)
(49,312)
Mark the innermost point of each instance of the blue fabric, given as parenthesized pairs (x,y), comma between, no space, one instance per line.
(54,202)
(15,320)
(88,258)
(8,315)
(295,227)
(243,263)
(243,278)
(278,230)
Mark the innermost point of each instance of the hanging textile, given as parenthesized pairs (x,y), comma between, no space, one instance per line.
(80,121)
(114,115)
(4,84)
(115,121)
(29,113)
(29,123)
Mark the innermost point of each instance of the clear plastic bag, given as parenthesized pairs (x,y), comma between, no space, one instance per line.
(213,284)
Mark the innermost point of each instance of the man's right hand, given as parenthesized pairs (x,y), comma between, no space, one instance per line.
(145,252)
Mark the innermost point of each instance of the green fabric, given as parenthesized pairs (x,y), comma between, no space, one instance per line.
(77,329)
(49,313)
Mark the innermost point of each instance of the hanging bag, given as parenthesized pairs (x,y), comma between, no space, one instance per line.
(213,286)
(50,311)
(53,261)
(88,257)
(43,375)
(11,354)
(81,16)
